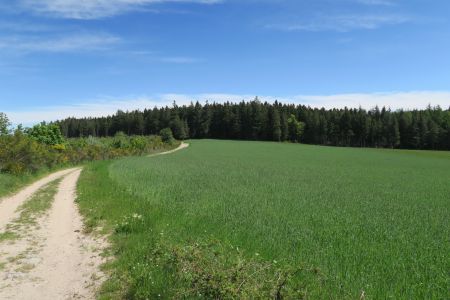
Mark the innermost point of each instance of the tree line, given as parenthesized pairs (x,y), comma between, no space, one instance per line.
(256,120)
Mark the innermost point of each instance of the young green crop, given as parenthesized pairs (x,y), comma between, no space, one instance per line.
(369,222)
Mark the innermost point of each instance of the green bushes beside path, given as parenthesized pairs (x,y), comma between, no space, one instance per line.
(25,153)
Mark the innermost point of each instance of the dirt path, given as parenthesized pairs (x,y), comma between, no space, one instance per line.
(9,205)
(183,145)
(53,260)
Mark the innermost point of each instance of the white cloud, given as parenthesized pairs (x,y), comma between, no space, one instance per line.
(393,100)
(108,106)
(344,23)
(93,9)
(70,43)
(20,26)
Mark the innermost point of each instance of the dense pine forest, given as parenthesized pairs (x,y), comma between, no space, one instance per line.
(255,120)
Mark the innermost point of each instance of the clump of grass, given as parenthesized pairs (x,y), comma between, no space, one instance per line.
(214,270)
(31,210)
(8,235)
(37,205)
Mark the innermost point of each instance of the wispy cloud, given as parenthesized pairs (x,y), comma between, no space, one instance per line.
(108,106)
(343,23)
(376,2)
(69,43)
(179,60)
(93,9)
(20,26)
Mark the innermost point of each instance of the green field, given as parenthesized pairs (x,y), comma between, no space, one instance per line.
(356,221)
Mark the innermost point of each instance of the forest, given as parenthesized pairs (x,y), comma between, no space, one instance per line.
(256,120)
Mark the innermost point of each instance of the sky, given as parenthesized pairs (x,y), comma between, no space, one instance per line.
(61,58)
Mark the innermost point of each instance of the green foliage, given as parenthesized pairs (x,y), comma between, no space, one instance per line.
(4,124)
(179,128)
(295,128)
(21,154)
(214,270)
(255,120)
(374,222)
(29,153)
(276,125)
(121,141)
(166,135)
(9,183)
(48,134)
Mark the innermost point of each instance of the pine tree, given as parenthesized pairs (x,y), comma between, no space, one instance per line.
(284,127)
(276,125)
(4,124)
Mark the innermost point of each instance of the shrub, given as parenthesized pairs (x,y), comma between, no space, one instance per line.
(20,153)
(48,134)
(4,124)
(138,143)
(166,135)
(27,153)
(215,270)
(121,141)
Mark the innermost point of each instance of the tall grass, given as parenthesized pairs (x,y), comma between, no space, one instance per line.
(10,183)
(367,222)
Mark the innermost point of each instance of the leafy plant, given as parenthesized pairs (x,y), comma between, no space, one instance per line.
(48,134)
(4,124)
(166,135)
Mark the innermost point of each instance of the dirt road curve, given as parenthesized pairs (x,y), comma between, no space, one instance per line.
(182,146)
(54,259)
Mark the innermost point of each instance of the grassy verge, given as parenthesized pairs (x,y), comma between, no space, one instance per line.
(263,220)
(10,183)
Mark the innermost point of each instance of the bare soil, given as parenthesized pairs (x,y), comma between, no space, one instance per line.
(54,259)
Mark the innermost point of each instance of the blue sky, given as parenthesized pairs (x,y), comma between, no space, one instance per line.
(60,58)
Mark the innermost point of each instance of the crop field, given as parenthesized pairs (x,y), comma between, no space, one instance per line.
(358,223)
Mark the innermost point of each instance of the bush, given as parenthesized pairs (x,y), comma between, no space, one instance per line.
(48,134)
(41,148)
(121,141)
(214,270)
(166,135)
(4,124)
(21,154)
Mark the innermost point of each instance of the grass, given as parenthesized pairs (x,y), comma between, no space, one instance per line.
(7,236)
(30,211)
(10,183)
(39,204)
(80,151)
(326,222)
